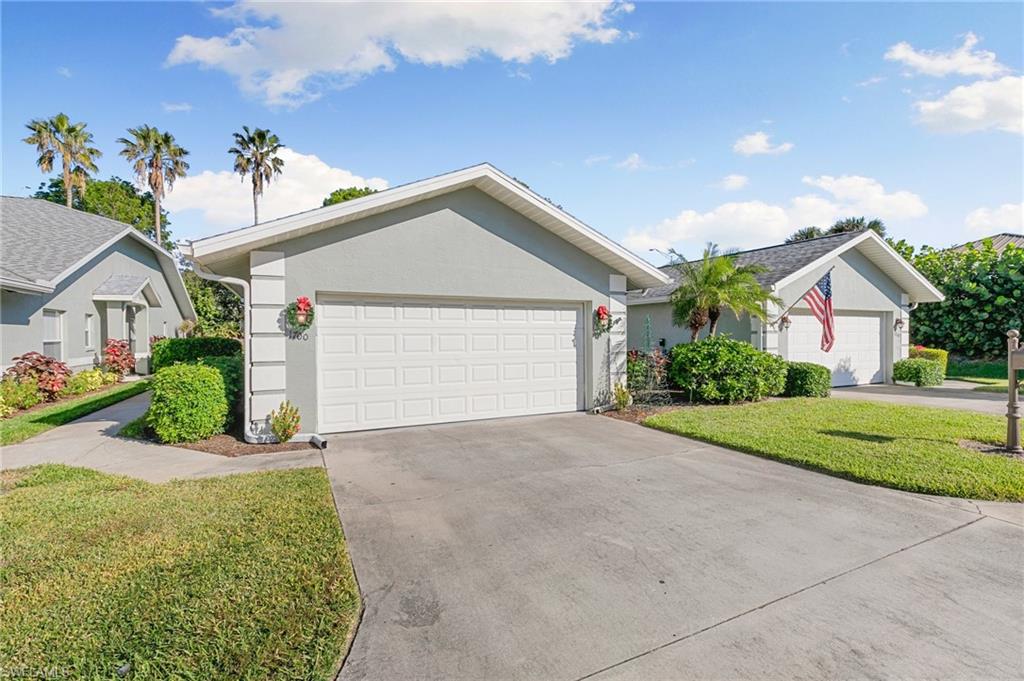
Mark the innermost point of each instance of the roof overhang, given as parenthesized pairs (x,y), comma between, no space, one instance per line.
(143,294)
(892,264)
(484,177)
(24,286)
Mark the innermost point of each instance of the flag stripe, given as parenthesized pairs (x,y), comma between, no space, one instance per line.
(819,300)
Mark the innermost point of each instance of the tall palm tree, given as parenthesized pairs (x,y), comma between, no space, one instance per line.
(58,136)
(157,161)
(715,283)
(256,155)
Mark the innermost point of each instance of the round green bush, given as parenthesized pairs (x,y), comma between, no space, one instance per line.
(169,351)
(806,379)
(934,354)
(188,403)
(719,369)
(230,369)
(920,372)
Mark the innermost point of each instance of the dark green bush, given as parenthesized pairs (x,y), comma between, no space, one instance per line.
(720,369)
(168,351)
(188,403)
(806,379)
(920,372)
(934,354)
(230,369)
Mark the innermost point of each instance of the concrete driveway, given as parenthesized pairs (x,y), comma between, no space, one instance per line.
(575,546)
(951,395)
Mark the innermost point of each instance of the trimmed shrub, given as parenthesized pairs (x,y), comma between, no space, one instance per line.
(920,372)
(284,421)
(50,374)
(188,403)
(118,357)
(934,354)
(806,379)
(170,351)
(720,369)
(83,382)
(20,393)
(230,369)
(5,410)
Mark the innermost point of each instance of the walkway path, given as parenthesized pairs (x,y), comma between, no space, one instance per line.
(91,442)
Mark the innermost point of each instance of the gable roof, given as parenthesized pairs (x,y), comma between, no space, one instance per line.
(785,263)
(999,242)
(43,243)
(484,177)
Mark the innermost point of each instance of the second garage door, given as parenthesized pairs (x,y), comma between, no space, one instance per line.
(391,362)
(858,354)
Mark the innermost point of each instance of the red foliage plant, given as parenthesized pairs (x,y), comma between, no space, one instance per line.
(118,357)
(49,373)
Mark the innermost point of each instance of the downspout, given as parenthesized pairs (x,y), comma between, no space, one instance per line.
(247,433)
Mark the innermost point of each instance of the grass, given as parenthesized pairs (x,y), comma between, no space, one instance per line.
(135,428)
(241,577)
(976,368)
(904,447)
(23,426)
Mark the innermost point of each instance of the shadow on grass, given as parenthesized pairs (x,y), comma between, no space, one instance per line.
(854,435)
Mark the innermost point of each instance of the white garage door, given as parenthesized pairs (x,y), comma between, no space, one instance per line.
(389,362)
(858,354)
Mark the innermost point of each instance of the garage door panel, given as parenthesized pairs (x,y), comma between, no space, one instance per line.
(858,355)
(392,363)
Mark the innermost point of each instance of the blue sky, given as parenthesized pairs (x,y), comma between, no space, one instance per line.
(658,124)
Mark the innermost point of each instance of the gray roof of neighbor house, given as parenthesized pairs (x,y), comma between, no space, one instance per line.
(42,242)
(999,242)
(121,285)
(780,261)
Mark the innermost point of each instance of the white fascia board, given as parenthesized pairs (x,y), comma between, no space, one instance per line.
(650,301)
(219,246)
(24,286)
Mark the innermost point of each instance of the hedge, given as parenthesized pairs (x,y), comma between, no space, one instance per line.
(188,403)
(720,369)
(230,369)
(169,351)
(934,354)
(921,372)
(806,379)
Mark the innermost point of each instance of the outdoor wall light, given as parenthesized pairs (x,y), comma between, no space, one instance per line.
(785,322)
(897,326)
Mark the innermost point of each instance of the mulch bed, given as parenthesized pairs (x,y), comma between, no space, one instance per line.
(232,445)
(988,448)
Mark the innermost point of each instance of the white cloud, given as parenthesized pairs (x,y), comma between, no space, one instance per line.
(596,159)
(632,163)
(64,71)
(733,182)
(759,143)
(224,200)
(1008,217)
(288,54)
(982,105)
(175,107)
(963,61)
(873,80)
(757,223)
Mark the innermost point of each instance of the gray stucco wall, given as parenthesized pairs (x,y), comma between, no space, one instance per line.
(460,245)
(662,327)
(21,315)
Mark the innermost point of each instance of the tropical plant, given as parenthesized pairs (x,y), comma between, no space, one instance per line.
(284,421)
(58,136)
(49,373)
(839,227)
(20,392)
(157,161)
(712,284)
(118,357)
(347,194)
(805,233)
(256,155)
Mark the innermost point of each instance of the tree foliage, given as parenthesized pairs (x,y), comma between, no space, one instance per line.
(839,227)
(256,155)
(218,310)
(347,194)
(157,161)
(59,136)
(984,291)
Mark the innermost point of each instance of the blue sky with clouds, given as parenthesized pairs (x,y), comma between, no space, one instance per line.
(658,124)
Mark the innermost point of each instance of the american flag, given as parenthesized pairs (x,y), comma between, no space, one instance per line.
(819,299)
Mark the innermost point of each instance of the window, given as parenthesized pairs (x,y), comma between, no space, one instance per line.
(88,330)
(53,336)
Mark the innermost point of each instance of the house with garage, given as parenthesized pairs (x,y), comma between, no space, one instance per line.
(463,296)
(873,291)
(69,280)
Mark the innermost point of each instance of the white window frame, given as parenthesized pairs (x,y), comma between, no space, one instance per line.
(59,314)
(90,336)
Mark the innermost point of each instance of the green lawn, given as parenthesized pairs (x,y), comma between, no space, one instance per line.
(240,577)
(976,368)
(905,447)
(23,426)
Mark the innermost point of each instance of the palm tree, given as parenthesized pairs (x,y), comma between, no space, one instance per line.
(857,225)
(712,284)
(58,136)
(805,233)
(157,161)
(256,155)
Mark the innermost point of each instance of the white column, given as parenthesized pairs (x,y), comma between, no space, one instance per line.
(617,335)
(267,335)
(901,342)
(770,332)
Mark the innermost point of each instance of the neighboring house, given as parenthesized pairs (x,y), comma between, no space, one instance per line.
(999,242)
(463,296)
(873,291)
(70,280)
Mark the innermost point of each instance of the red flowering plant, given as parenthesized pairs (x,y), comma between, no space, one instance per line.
(49,373)
(300,314)
(118,357)
(603,321)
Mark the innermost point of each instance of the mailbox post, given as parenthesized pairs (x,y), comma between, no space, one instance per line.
(1015,362)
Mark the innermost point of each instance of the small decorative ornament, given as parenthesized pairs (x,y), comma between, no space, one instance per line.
(300,314)
(603,321)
